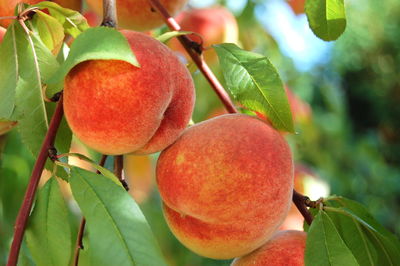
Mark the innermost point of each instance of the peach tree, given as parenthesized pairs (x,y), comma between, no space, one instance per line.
(226,184)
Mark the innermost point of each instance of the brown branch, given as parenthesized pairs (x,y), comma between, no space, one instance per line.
(118,166)
(79,239)
(194,51)
(29,197)
(300,201)
(109,14)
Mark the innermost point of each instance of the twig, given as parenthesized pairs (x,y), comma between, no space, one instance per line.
(79,239)
(118,166)
(109,14)
(194,50)
(29,197)
(300,201)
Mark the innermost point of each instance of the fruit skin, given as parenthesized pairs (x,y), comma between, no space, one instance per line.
(7,7)
(215,25)
(226,185)
(297,6)
(138,14)
(117,108)
(2,33)
(285,248)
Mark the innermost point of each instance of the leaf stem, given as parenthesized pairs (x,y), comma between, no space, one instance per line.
(79,239)
(300,201)
(194,50)
(29,197)
(109,14)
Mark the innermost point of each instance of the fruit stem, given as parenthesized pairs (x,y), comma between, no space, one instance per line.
(109,14)
(29,197)
(194,51)
(300,201)
(118,166)
(79,242)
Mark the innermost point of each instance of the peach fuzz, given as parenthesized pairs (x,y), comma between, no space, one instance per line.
(116,108)
(285,248)
(214,25)
(7,7)
(226,185)
(138,14)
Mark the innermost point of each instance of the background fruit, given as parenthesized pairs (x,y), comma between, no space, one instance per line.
(297,6)
(139,173)
(215,25)
(116,108)
(285,248)
(138,14)
(226,184)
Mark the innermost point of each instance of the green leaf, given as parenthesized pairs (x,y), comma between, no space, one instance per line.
(50,31)
(327,18)
(325,246)
(96,43)
(370,242)
(255,83)
(48,234)
(119,232)
(8,73)
(164,38)
(72,21)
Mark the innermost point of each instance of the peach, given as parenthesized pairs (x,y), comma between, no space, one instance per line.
(139,173)
(226,185)
(7,7)
(214,25)
(92,18)
(297,6)
(116,108)
(138,14)
(285,248)
(2,33)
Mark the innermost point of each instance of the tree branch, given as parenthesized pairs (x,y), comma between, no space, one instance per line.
(193,50)
(118,166)
(109,14)
(29,197)
(79,243)
(300,201)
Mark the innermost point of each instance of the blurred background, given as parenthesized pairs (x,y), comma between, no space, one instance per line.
(345,99)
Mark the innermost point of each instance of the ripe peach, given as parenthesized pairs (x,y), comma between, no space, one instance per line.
(215,25)
(2,33)
(116,108)
(284,248)
(297,6)
(139,173)
(226,184)
(7,7)
(92,18)
(138,14)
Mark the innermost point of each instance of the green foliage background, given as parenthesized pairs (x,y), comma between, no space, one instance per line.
(353,141)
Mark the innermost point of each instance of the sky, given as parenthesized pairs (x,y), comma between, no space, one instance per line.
(292,32)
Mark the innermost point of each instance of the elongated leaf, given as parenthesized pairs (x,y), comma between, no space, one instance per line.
(119,233)
(96,43)
(327,18)
(255,83)
(50,31)
(8,73)
(73,22)
(325,246)
(370,242)
(48,234)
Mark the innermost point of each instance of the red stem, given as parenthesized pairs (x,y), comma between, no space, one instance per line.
(29,197)
(197,59)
